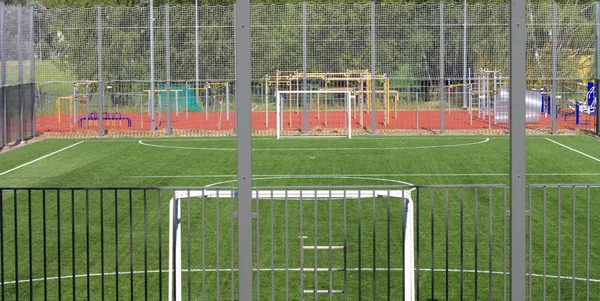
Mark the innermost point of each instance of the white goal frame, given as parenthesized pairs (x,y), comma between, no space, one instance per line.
(175,224)
(348,97)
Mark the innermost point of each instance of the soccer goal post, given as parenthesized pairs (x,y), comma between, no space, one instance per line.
(338,207)
(328,113)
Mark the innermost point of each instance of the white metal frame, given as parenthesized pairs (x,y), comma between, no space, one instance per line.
(348,97)
(175,224)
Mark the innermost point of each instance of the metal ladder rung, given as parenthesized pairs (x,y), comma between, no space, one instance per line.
(323,291)
(323,269)
(323,247)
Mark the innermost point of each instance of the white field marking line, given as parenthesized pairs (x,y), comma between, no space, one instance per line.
(217,138)
(40,158)
(572,149)
(318,149)
(310,177)
(230,270)
(322,176)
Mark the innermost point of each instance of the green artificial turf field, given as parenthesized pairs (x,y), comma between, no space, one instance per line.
(459,210)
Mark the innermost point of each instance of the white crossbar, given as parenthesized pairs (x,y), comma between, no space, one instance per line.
(296,194)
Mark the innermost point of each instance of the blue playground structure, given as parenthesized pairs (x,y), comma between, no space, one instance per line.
(106,116)
(576,108)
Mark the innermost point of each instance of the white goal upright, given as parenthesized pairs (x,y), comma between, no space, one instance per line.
(328,113)
(408,268)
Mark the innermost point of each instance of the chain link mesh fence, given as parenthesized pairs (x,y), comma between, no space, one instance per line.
(414,43)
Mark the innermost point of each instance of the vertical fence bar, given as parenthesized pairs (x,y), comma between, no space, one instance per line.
(116,200)
(20,70)
(3,109)
(151,96)
(517,149)
(373,74)
(573,272)
(305,70)
(32,72)
(587,247)
(87,244)
(16,240)
(73,251)
(100,80)
(432,263)
(131,270)
(58,247)
(552,109)
(442,81)
(597,67)
(44,247)
(447,243)
(30,228)
(168,67)
(490,240)
(196,57)
(102,292)
(464,89)
(2,267)
(545,245)
(244,146)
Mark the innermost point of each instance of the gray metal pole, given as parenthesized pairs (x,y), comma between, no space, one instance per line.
(168,67)
(442,83)
(554,69)
(304,70)
(32,72)
(100,81)
(373,65)
(465,90)
(3,77)
(597,85)
(196,54)
(20,71)
(151,98)
(517,148)
(244,146)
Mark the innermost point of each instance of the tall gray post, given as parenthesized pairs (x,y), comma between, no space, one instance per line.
(243,108)
(3,77)
(517,149)
(304,70)
(465,88)
(597,84)
(168,67)
(554,69)
(373,76)
(100,80)
(196,54)
(32,72)
(20,71)
(442,83)
(151,98)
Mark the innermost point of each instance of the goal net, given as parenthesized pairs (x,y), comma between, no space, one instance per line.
(327,113)
(306,241)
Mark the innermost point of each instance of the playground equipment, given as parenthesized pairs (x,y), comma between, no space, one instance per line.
(358,82)
(576,108)
(216,99)
(75,101)
(533,101)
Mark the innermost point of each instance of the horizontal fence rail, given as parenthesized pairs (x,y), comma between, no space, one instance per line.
(374,242)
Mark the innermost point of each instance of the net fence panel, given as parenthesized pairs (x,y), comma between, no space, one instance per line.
(338,39)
